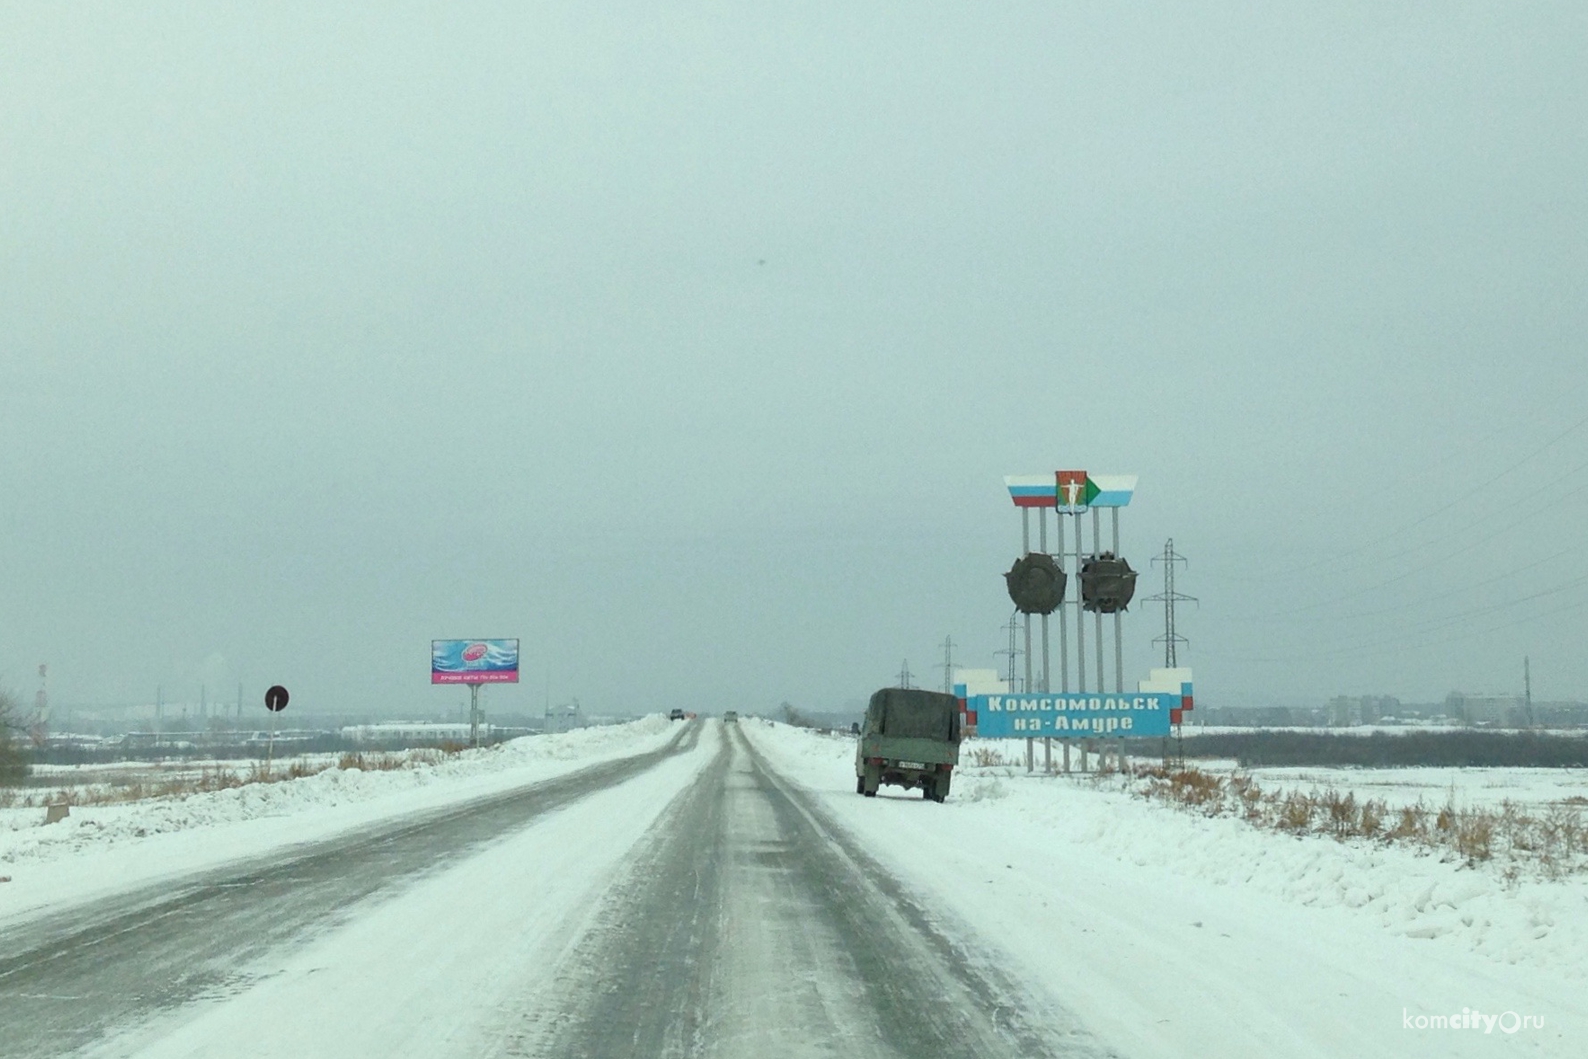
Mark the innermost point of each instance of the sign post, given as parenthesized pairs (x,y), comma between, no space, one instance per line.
(1074,493)
(275,701)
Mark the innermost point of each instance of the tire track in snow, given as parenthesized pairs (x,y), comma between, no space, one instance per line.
(749,925)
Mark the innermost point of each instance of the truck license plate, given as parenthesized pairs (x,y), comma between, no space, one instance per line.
(912,765)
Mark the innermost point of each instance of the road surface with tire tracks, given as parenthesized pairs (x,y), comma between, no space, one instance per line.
(740,922)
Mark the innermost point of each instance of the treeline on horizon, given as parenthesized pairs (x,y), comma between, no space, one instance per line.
(1463,748)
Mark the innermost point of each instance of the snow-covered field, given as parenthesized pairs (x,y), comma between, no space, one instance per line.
(1168,928)
(1530,788)
(100,849)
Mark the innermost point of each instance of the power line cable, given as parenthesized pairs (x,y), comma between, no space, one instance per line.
(1376,649)
(1457,502)
(1404,574)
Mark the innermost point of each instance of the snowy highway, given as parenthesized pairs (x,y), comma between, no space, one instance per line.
(681,901)
(718,890)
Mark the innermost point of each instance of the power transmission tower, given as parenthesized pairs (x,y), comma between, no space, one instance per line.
(1170,639)
(904,674)
(948,665)
(1013,652)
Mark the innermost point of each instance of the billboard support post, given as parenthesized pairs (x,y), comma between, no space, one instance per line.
(1025,549)
(1097,549)
(474,713)
(1042,539)
(1064,634)
(1080,612)
(1119,651)
(1047,685)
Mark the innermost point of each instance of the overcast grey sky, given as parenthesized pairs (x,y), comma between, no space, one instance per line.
(690,342)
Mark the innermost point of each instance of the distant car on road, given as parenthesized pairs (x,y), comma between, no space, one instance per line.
(910,738)
(731,716)
(676,715)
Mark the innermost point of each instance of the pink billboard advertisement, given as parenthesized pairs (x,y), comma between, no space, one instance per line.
(474,661)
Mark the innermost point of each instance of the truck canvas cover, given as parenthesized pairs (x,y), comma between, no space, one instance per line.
(910,713)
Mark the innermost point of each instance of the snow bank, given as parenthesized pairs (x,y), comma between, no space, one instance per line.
(1539,923)
(105,848)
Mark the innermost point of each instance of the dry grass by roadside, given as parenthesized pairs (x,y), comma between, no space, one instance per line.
(220,778)
(1554,842)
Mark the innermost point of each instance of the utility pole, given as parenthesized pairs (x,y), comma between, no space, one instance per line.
(904,674)
(1527,688)
(948,665)
(41,708)
(1170,639)
(1013,652)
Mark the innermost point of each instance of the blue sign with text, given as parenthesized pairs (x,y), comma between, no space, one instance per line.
(1078,715)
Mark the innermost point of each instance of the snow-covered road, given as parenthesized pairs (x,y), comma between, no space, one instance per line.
(728,895)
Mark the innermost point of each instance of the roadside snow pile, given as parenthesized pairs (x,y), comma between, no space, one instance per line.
(1531,921)
(101,847)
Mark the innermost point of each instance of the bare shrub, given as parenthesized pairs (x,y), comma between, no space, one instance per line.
(1474,833)
(1295,812)
(1411,823)
(1554,842)
(986,756)
(1196,788)
(1342,813)
(1371,824)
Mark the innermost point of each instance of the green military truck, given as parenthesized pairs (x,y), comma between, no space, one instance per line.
(910,738)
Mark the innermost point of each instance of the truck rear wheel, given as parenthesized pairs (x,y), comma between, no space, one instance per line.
(860,785)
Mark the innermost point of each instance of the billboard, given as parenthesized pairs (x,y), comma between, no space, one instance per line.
(474,661)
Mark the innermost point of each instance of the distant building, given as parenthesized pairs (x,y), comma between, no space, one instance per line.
(1345,711)
(1497,711)
(978,682)
(564,718)
(411,733)
(1561,714)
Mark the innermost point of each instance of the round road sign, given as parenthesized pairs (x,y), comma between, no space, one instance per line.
(276,698)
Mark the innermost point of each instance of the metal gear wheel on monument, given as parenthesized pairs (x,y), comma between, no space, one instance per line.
(1107,583)
(1036,584)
